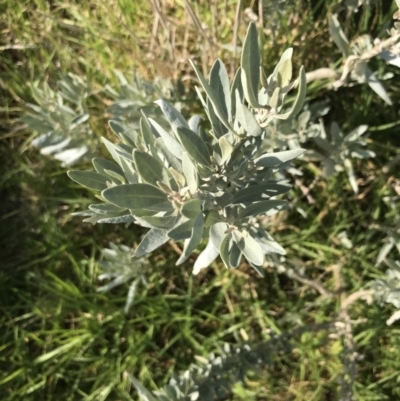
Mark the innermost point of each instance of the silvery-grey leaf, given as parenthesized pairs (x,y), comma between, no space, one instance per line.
(300,98)
(390,58)
(101,164)
(89,179)
(190,172)
(267,207)
(338,35)
(219,81)
(194,122)
(194,241)
(149,168)
(69,157)
(135,196)
(356,133)
(194,146)
(172,115)
(106,208)
(206,257)
(376,86)
(79,120)
(250,66)
(217,234)
(213,97)
(154,238)
(350,173)
(117,220)
(182,231)
(48,150)
(246,118)
(362,153)
(144,394)
(270,160)
(218,128)
(254,193)
(224,249)
(251,249)
(170,142)
(172,161)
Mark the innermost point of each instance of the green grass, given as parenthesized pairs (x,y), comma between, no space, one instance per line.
(60,339)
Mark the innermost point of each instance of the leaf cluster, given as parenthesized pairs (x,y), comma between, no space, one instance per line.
(186,185)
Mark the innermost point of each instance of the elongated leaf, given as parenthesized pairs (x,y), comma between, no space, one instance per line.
(194,122)
(182,231)
(190,172)
(170,142)
(250,66)
(170,158)
(218,128)
(338,35)
(264,207)
(151,241)
(149,168)
(166,222)
(270,160)
(350,173)
(256,193)
(283,71)
(116,178)
(224,250)
(147,132)
(205,258)
(106,208)
(251,249)
(79,120)
(102,164)
(226,148)
(124,132)
(246,118)
(135,196)
(300,98)
(129,171)
(112,149)
(194,146)
(89,179)
(213,97)
(172,115)
(195,239)
(218,233)
(235,255)
(377,86)
(219,81)
(236,85)
(128,218)
(191,208)
(356,133)
(144,394)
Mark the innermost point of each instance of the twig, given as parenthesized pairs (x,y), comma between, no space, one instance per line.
(314,284)
(235,35)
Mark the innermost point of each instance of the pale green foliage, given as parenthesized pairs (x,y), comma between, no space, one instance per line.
(136,95)
(358,52)
(119,267)
(338,150)
(187,185)
(214,379)
(60,117)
